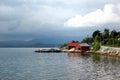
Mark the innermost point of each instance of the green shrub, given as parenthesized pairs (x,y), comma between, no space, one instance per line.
(96,46)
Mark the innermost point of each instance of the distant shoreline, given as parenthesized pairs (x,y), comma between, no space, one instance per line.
(29,47)
(104,50)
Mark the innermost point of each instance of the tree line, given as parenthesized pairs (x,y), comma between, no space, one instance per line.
(106,38)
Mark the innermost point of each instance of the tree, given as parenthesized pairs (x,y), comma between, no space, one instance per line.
(118,43)
(97,32)
(118,34)
(97,38)
(105,34)
(113,34)
(110,42)
(64,46)
(105,38)
(75,41)
(88,40)
(96,46)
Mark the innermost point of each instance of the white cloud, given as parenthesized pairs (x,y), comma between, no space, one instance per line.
(47,16)
(6,11)
(110,14)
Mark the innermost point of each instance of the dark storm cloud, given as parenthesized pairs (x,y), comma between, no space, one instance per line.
(28,19)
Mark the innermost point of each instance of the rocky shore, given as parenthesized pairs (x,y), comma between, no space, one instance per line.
(110,51)
(104,50)
(48,50)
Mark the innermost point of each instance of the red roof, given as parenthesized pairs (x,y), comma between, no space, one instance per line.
(79,46)
(73,44)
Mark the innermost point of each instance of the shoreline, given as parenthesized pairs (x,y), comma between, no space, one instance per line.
(108,51)
(48,50)
(104,50)
(107,55)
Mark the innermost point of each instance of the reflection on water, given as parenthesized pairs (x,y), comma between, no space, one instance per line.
(106,68)
(80,66)
(78,55)
(24,64)
(93,67)
(96,58)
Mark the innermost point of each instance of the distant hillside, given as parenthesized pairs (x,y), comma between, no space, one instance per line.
(31,43)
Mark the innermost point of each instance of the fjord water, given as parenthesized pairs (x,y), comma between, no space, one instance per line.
(25,64)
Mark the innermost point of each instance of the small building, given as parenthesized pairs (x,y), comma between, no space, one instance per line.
(79,46)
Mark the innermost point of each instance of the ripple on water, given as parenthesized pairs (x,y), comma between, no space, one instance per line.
(24,64)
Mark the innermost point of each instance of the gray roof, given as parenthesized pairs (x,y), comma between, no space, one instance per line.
(84,44)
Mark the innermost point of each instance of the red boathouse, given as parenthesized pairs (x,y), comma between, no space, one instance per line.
(78,46)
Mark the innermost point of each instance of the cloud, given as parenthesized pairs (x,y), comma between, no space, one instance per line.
(26,18)
(6,13)
(40,18)
(110,14)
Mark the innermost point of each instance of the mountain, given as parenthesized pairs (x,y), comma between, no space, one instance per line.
(31,43)
(39,42)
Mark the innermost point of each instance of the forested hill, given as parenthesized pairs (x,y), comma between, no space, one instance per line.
(106,38)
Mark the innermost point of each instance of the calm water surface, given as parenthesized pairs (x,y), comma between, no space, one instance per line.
(24,64)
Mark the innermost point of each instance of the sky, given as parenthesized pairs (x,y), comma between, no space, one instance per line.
(56,19)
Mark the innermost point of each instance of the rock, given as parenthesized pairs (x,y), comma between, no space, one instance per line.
(109,51)
(48,50)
